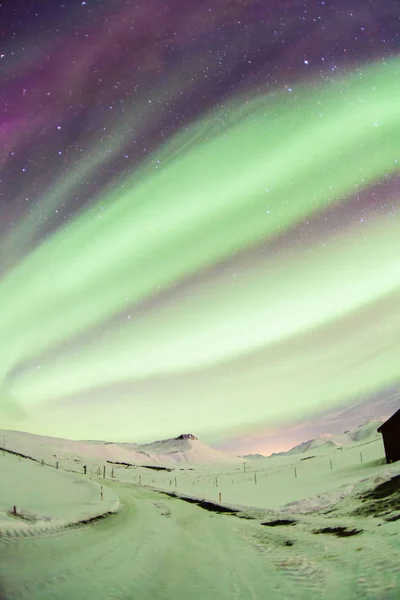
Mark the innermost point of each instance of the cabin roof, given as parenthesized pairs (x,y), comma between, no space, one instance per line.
(395,418)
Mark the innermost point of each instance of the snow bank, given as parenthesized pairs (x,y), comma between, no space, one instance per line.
(44,495)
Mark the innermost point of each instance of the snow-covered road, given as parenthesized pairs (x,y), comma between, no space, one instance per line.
(163,548)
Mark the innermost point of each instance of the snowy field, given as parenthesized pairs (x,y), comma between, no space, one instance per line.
(286,527)
(44,495)
(276,481)
(308,480)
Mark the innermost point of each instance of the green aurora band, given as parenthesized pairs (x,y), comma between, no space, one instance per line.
(241,177)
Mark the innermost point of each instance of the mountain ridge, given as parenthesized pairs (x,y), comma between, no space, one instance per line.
(365,431)
(185,448)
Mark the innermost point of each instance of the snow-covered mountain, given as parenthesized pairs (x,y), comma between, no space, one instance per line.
(253,456)
(363,433)
(322,441)
(185,448)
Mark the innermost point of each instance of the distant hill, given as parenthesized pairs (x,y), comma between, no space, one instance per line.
(253,456)
(365,432)
(322,441)
(185,448)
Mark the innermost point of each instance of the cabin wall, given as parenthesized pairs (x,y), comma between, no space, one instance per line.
(391,441)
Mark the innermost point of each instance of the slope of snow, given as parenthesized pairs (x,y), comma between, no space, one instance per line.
(65,451)
(170,452)
(328,499)
(266,482)
(274,481)
(43,494)
(253,456)
(162,548)
(187,449)
(364,432)
(323,441)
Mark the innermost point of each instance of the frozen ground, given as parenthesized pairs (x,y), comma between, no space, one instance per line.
(304,534)
(45,496)
(272,482)
(70,453)
(163,548)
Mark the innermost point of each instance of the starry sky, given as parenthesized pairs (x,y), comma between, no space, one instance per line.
(199,217)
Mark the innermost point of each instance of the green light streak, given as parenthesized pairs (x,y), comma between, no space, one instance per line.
(269,303)
(95,156)
(204,205)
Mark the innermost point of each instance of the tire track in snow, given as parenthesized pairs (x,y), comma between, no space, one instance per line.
(30,532)
(162,549)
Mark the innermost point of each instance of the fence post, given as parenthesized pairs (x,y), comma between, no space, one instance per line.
(14,510)
(361,456)
(330,462)
(295,472)
(57,465)
(220,497)
(101,493)
(255,478)
(104,472)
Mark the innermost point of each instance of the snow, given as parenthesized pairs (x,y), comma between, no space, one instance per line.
(187,450)
(163,452)
(319,470)
(163,547)
(275,481)
(365,432)
(253,456)
(43,494)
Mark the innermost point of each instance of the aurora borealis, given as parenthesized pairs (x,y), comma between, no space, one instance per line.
(199,224)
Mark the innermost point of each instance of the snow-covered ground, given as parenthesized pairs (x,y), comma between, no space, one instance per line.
(70,453)
(314,473)
(161,548)
(45,496)
(274,481)
(300,529)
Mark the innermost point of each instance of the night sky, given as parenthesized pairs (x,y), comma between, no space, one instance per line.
(199,216)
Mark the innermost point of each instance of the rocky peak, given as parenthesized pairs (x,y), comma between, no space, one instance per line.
(186,436)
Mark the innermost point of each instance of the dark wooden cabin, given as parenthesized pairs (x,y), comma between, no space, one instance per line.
(390,431)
